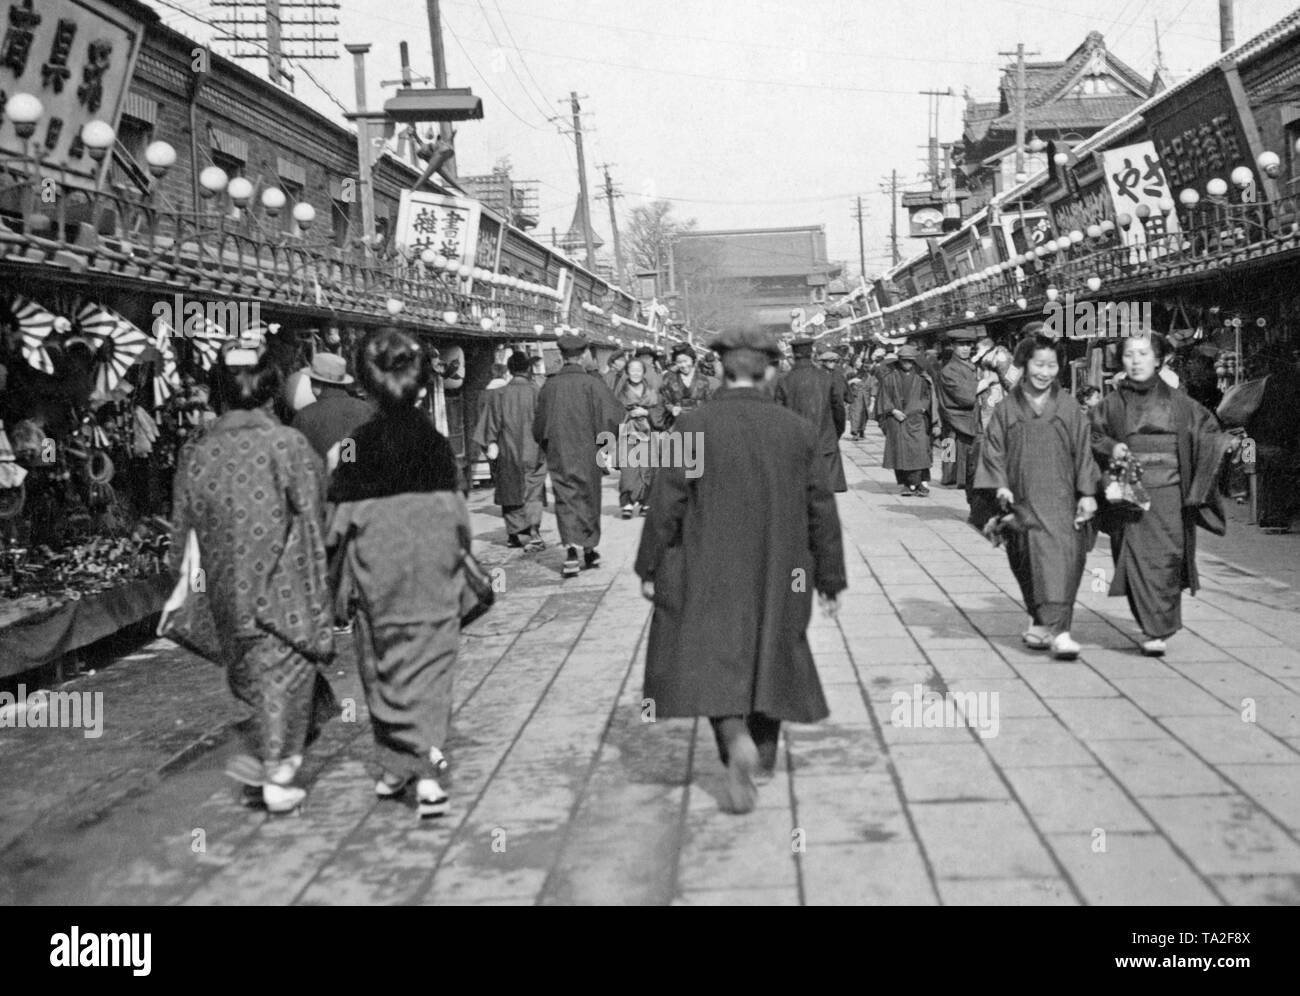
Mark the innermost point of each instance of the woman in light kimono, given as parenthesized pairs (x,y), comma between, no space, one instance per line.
(1036,453)
(398,530)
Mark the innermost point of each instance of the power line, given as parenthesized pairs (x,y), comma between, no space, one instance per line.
(456,38)
(524,62)
(527,93)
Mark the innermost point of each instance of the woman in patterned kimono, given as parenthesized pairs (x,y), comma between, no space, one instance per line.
(399,527)
(1181,449)
(644,415)
(252,491)
(1036,453)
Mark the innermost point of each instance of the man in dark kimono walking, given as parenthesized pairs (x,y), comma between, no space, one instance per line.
(957,385)
(731,559)
(815,393)
(909,414)
(505,432)
(573,409)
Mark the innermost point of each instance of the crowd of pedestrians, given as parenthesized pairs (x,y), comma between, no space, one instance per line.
(356,517)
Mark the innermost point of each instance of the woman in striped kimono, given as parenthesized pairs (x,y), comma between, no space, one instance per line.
(1036,453)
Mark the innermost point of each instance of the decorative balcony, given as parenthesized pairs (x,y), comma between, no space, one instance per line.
(1095,265)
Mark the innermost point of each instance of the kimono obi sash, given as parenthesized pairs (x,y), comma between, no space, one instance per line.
(1158,453)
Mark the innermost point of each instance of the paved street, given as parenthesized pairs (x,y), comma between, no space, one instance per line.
(1115,779)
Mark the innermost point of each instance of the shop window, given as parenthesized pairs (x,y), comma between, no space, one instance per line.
(133,137)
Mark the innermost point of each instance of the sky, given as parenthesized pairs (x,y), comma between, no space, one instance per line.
(745,113)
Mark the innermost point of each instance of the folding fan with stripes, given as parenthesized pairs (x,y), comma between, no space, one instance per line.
(167,379)
(36,324)
(119,344)
(207,344)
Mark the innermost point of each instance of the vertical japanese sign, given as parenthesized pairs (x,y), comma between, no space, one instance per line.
(1135,178)
(489,243)
(76,58)
(447,225)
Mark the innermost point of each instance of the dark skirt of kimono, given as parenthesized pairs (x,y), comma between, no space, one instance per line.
(1149,554)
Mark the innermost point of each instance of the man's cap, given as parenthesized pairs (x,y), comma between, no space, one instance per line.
(828,354)
(646,351)
(963,335)
(329,368)
(908,352)
(683,349)
(746,338)
(570,343)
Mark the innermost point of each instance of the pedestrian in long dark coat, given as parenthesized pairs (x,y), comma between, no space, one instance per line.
(814,393)
(1181,449)
(1037,455)
(731,559)
(831,362)
(908,409)
(958,385)
(573,410)
(505,432)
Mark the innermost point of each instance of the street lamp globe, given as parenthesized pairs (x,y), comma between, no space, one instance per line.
(466,271)
(24,110)
(1094,231)
(1076,237)
(160,157)
(1188,197)
(240,190)
(450,265)
(212,181)
(1270,164)
(428,257)
(485,324)
(1216,187)
(1052,293)
(304,214)
(539,328)
(395,306)
(1094,284)
(1060,158)
(450,317)
(1243,177)
(273,200)
(98,137)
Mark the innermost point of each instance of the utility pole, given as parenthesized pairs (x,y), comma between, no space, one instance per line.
(583,201)
(933,121)
(1020,54)
(891,188)
(862,248)
(1227,36)
(610,195)
(440,81)
(363,144)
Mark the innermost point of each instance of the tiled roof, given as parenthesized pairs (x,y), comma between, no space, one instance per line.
(1073,112)
(755,252)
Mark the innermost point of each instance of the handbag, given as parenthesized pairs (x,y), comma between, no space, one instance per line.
(1123,498)
(477,596)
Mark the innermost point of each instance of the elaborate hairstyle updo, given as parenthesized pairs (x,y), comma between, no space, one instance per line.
(392,366)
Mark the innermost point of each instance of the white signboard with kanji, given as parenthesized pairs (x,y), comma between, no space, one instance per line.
(447,225)
(1134,178)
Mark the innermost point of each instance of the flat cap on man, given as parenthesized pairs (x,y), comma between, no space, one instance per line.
(908,352)
(963,335)
(649,351)
(571,343)
(746,338)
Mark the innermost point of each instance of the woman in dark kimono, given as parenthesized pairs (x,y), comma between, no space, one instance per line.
(1035,452)
(399,527)
(1181,448)
(251,490)
(644,415)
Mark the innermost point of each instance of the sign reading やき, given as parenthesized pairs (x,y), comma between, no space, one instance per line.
(447,225)
(75,57)
(1136,180)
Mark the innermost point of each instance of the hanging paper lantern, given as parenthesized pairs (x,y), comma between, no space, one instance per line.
(119,344)
(36,324)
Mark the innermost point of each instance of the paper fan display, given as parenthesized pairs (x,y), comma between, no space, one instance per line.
(36,324)
(167,378)
(120,344)
(207,344)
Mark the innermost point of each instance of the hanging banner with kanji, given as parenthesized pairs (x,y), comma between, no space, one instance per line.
(1135,178)
(75,57)
(447,225)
